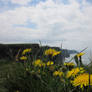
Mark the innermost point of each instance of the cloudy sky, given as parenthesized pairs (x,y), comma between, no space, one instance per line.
(51,21)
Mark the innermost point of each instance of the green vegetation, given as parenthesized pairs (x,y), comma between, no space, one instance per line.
(29,73)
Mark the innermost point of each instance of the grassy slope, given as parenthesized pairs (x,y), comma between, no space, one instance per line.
(4,68)
(7,68)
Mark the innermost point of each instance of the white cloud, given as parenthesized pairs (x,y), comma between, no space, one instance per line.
(55,21)
(21,2)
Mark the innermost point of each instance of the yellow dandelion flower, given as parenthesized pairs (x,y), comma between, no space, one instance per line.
(69,64)
(80,54)
(82,80)
(74,72)
(55,73)
(58,73)
(50,63)
(26,51)
(52,52)
(49,51)
(56,53)
(23,58)
(39,63)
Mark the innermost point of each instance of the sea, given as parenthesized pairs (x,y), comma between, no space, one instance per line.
(86,58)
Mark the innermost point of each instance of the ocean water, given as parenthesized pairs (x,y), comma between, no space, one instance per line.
(86,58)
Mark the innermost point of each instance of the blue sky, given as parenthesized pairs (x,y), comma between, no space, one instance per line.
(28,24)
(51,21)
(8,4)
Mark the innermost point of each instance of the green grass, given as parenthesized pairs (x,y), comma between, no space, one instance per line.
(7,68)
(4,69)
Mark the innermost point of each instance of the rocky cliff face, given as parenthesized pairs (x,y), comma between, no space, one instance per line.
(9,51)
